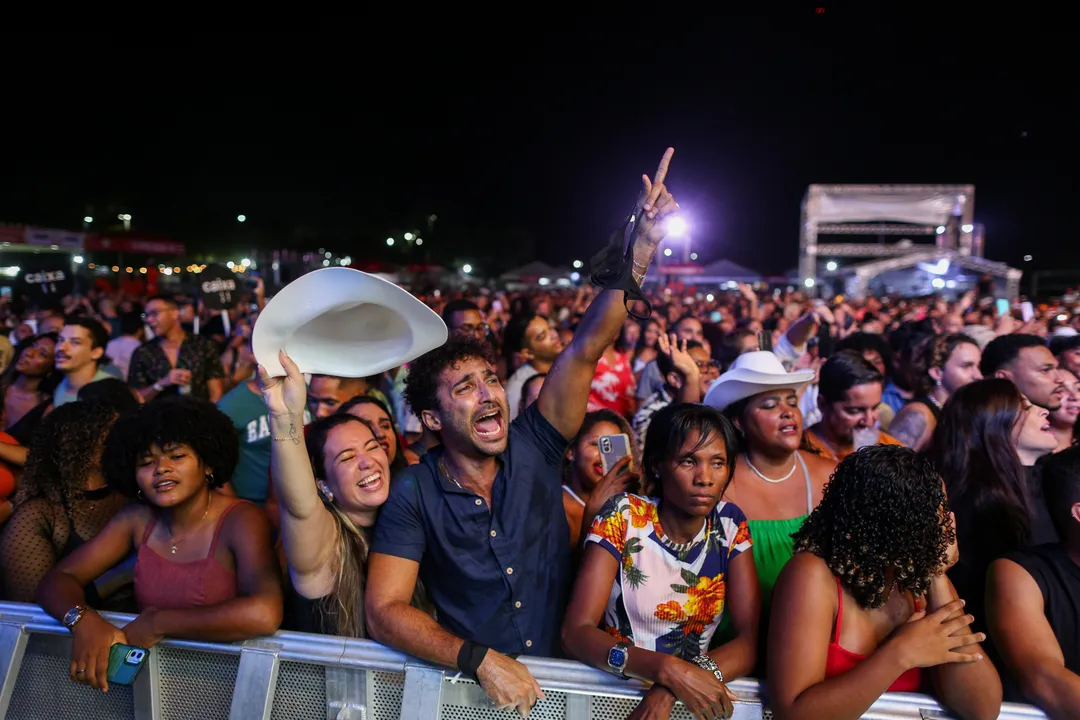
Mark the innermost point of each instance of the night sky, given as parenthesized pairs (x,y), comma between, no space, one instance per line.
(531,137)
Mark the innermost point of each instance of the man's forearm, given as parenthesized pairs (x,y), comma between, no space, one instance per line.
(1054,689)
(606,314)
(415,633)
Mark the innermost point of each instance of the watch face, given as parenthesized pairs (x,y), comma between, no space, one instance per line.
(617,657)
(72,616)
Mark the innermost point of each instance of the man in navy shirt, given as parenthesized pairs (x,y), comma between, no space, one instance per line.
(481,520)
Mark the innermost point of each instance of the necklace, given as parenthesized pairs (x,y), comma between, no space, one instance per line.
(446,472)
(934,400)
(794,464)
(173,542)
(574,495)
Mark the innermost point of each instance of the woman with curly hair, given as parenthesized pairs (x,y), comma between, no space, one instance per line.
(865,606)
(63,500)
(660,572)
(940,365)
(204,566)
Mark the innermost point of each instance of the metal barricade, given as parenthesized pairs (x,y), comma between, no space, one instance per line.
(296,676)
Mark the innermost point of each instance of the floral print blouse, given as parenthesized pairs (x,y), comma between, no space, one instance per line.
(667,597)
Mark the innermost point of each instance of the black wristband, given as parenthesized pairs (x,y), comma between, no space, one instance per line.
(469,658)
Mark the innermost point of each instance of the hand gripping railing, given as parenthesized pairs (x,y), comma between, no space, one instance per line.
(293,676)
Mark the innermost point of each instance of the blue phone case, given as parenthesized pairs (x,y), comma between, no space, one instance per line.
(125,661)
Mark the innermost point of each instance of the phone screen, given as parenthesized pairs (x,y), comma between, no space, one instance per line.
(1002,307)
(715,316)
(1027,311)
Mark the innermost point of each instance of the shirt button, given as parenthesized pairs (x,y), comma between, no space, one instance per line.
(479,501)
(528,643)
(518,604)
(509,571)
(492,533)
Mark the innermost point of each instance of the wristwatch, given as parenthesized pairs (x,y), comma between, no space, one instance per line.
(706,663)
(617,658)
(73,616)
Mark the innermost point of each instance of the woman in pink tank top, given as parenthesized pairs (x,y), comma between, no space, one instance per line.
(865,607)
(205,568)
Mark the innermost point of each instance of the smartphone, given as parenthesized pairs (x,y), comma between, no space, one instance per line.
(1027,311)
(1002,306)
(715,317)
(613,448)
(125,661)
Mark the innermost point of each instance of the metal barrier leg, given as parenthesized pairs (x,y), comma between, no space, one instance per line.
(346,693)
(13,639)
(578,706)
(256,680)
(146,692)
(422,698)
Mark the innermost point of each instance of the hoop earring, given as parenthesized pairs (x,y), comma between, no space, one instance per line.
(139,494)
(210,479)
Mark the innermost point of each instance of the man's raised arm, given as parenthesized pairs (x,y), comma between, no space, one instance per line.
(565,394)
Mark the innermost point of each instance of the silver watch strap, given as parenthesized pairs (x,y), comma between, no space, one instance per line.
(707,663)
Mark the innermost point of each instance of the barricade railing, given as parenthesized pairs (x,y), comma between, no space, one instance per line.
(296,676)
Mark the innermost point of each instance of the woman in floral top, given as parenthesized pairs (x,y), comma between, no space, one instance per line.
(659,573)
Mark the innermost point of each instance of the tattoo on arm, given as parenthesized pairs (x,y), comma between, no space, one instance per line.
(908,427)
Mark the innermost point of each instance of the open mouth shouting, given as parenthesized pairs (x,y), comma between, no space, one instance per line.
(489,424)
(372,482)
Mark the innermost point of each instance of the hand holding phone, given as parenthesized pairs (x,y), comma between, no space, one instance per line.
(613,448)
(125,662)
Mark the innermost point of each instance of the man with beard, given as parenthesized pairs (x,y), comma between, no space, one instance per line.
(175,362)
(481,520)
(1028,362)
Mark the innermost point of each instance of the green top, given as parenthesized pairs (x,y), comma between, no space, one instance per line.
(773,546)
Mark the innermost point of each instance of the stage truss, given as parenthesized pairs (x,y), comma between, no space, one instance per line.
(945,212)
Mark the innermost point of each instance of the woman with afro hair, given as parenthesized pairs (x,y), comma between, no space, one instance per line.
(865,606)
(204,568)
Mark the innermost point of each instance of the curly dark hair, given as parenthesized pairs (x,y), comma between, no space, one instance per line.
(882,521)
(425,372)
(181,420)
(931,351)
(66,446)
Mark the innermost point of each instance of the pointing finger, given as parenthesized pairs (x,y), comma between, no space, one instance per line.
(661,171)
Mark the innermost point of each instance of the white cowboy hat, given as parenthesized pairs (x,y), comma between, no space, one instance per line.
(346,323)
(753,373)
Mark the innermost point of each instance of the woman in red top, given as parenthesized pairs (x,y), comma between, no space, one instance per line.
(865,607)
(204,567)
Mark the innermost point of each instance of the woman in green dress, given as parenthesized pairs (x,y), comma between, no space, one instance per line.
(775,484)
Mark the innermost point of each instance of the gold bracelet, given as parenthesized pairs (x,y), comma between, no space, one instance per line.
(293,435)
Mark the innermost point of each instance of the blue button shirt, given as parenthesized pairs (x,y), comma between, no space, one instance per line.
(498,576)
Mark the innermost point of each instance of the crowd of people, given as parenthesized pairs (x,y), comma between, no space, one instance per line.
(841,498)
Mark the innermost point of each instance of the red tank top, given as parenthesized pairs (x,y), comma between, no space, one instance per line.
(166,585)
(839,660)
